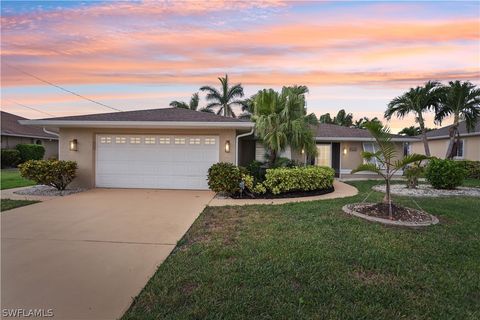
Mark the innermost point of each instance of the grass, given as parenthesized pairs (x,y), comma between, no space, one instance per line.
(8,204)
(311,261)
(10,178)
(471,183)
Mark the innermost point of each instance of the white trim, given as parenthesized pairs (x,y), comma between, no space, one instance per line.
(27,136)
(470,134)
(335,139)
(137,124)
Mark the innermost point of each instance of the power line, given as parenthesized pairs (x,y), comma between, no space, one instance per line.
(61,88)
(31,108)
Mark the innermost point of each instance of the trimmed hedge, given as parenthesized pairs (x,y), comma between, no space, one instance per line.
(444,173)
(30,152)
(472,168)
(53,173)
(10,158)
(224,177)
(281,180)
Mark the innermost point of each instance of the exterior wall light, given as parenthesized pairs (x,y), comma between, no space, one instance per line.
(303,151)
(227,146)
(73,145)
(344,150)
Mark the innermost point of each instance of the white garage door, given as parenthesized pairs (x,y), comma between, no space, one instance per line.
(154,161)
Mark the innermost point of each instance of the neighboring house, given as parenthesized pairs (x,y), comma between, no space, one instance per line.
(168,148)
(14,133)
(341,148)
(438,140)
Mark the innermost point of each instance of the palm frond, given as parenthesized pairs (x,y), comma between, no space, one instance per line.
(368,167)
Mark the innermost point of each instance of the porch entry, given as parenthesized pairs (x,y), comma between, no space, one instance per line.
(329,156)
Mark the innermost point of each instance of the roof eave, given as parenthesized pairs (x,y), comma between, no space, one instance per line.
(406,139)
(29,136)
(137,124)
(462,135)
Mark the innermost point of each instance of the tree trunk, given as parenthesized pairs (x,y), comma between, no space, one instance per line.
(424,136)
(452,132)
(273,157)
(387,199)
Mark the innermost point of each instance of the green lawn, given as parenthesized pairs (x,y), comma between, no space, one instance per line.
(11,179)
(472,183)
(312,261)
(7,204)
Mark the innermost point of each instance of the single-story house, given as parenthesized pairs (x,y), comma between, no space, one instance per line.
(439,139)
(173,148)
(13,133)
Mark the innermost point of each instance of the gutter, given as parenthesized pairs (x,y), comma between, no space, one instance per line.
(51,132)
(237,140)
(334,139)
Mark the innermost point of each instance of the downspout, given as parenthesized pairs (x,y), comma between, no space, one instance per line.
(237,142)
(50,132)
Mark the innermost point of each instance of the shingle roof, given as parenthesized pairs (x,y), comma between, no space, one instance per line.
(444,131)
(326,130)
(11,127)
(165,114)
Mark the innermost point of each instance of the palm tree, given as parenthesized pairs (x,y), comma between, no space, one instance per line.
(462,101)
(417,101)
(192,105)
(343,119)
(360,123)
(385,163)
(411,131)
(225,98)
(281,121)
(247,108)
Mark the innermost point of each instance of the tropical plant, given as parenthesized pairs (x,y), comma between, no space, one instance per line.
(192,105)
(445,173)
(342,118)
(460,100)
(325,118)
(225,98)
(417,101)
(54,173)
(247,108)
(280,121)
(387,161)
(360,123)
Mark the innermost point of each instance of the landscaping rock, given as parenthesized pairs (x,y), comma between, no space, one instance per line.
(425,190)
(42,190)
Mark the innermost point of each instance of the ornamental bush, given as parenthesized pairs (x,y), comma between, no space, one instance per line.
(472,167)
(10,158)
(444,174)
(282,180)
(55,173)
(30,152)
(413,173)
(224,177)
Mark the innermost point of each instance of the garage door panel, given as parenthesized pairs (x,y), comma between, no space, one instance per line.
(154,161)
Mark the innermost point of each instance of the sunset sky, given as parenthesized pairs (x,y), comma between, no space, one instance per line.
(143,54)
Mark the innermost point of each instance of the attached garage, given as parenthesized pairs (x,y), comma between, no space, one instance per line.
(154,161)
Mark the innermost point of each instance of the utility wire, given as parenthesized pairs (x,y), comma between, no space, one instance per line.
(61,88)
(31,108)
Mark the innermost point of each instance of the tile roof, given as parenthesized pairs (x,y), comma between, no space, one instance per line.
(11,127)
(444,131)
(165,114)
(326,130)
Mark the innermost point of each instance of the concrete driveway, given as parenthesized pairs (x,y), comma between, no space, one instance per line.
(85,256)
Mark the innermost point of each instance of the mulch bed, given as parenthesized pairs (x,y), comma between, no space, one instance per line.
(293,194)
(380,210)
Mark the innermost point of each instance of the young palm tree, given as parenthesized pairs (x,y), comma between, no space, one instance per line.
(386,159)
(462,101)
(281,121)
(192,105)
(225,98)
(417,101)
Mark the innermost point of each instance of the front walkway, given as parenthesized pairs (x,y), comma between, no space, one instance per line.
(85,256)
(341,190)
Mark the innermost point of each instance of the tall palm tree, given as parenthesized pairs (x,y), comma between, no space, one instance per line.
(462,101)
(225,98)
(281,121)
(417,101)
(192,105)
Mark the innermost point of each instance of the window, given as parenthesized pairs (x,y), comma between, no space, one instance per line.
(179,140)
(120,140)
(324,157)
(150,140)
(209,140)
(194,140)
(38,142)
(458,149)
(371,147)
(135,140)
(164,140)
(106,140)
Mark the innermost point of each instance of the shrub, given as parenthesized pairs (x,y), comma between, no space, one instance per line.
(224,177)
(30,152)
(257,170)
(472,168)
(259,188)
(413,173)
(53,173)
(10,158)
(281,180)
(444,174)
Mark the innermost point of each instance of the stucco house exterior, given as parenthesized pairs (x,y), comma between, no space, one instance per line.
(438,140)
(13,133)
(173,148)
